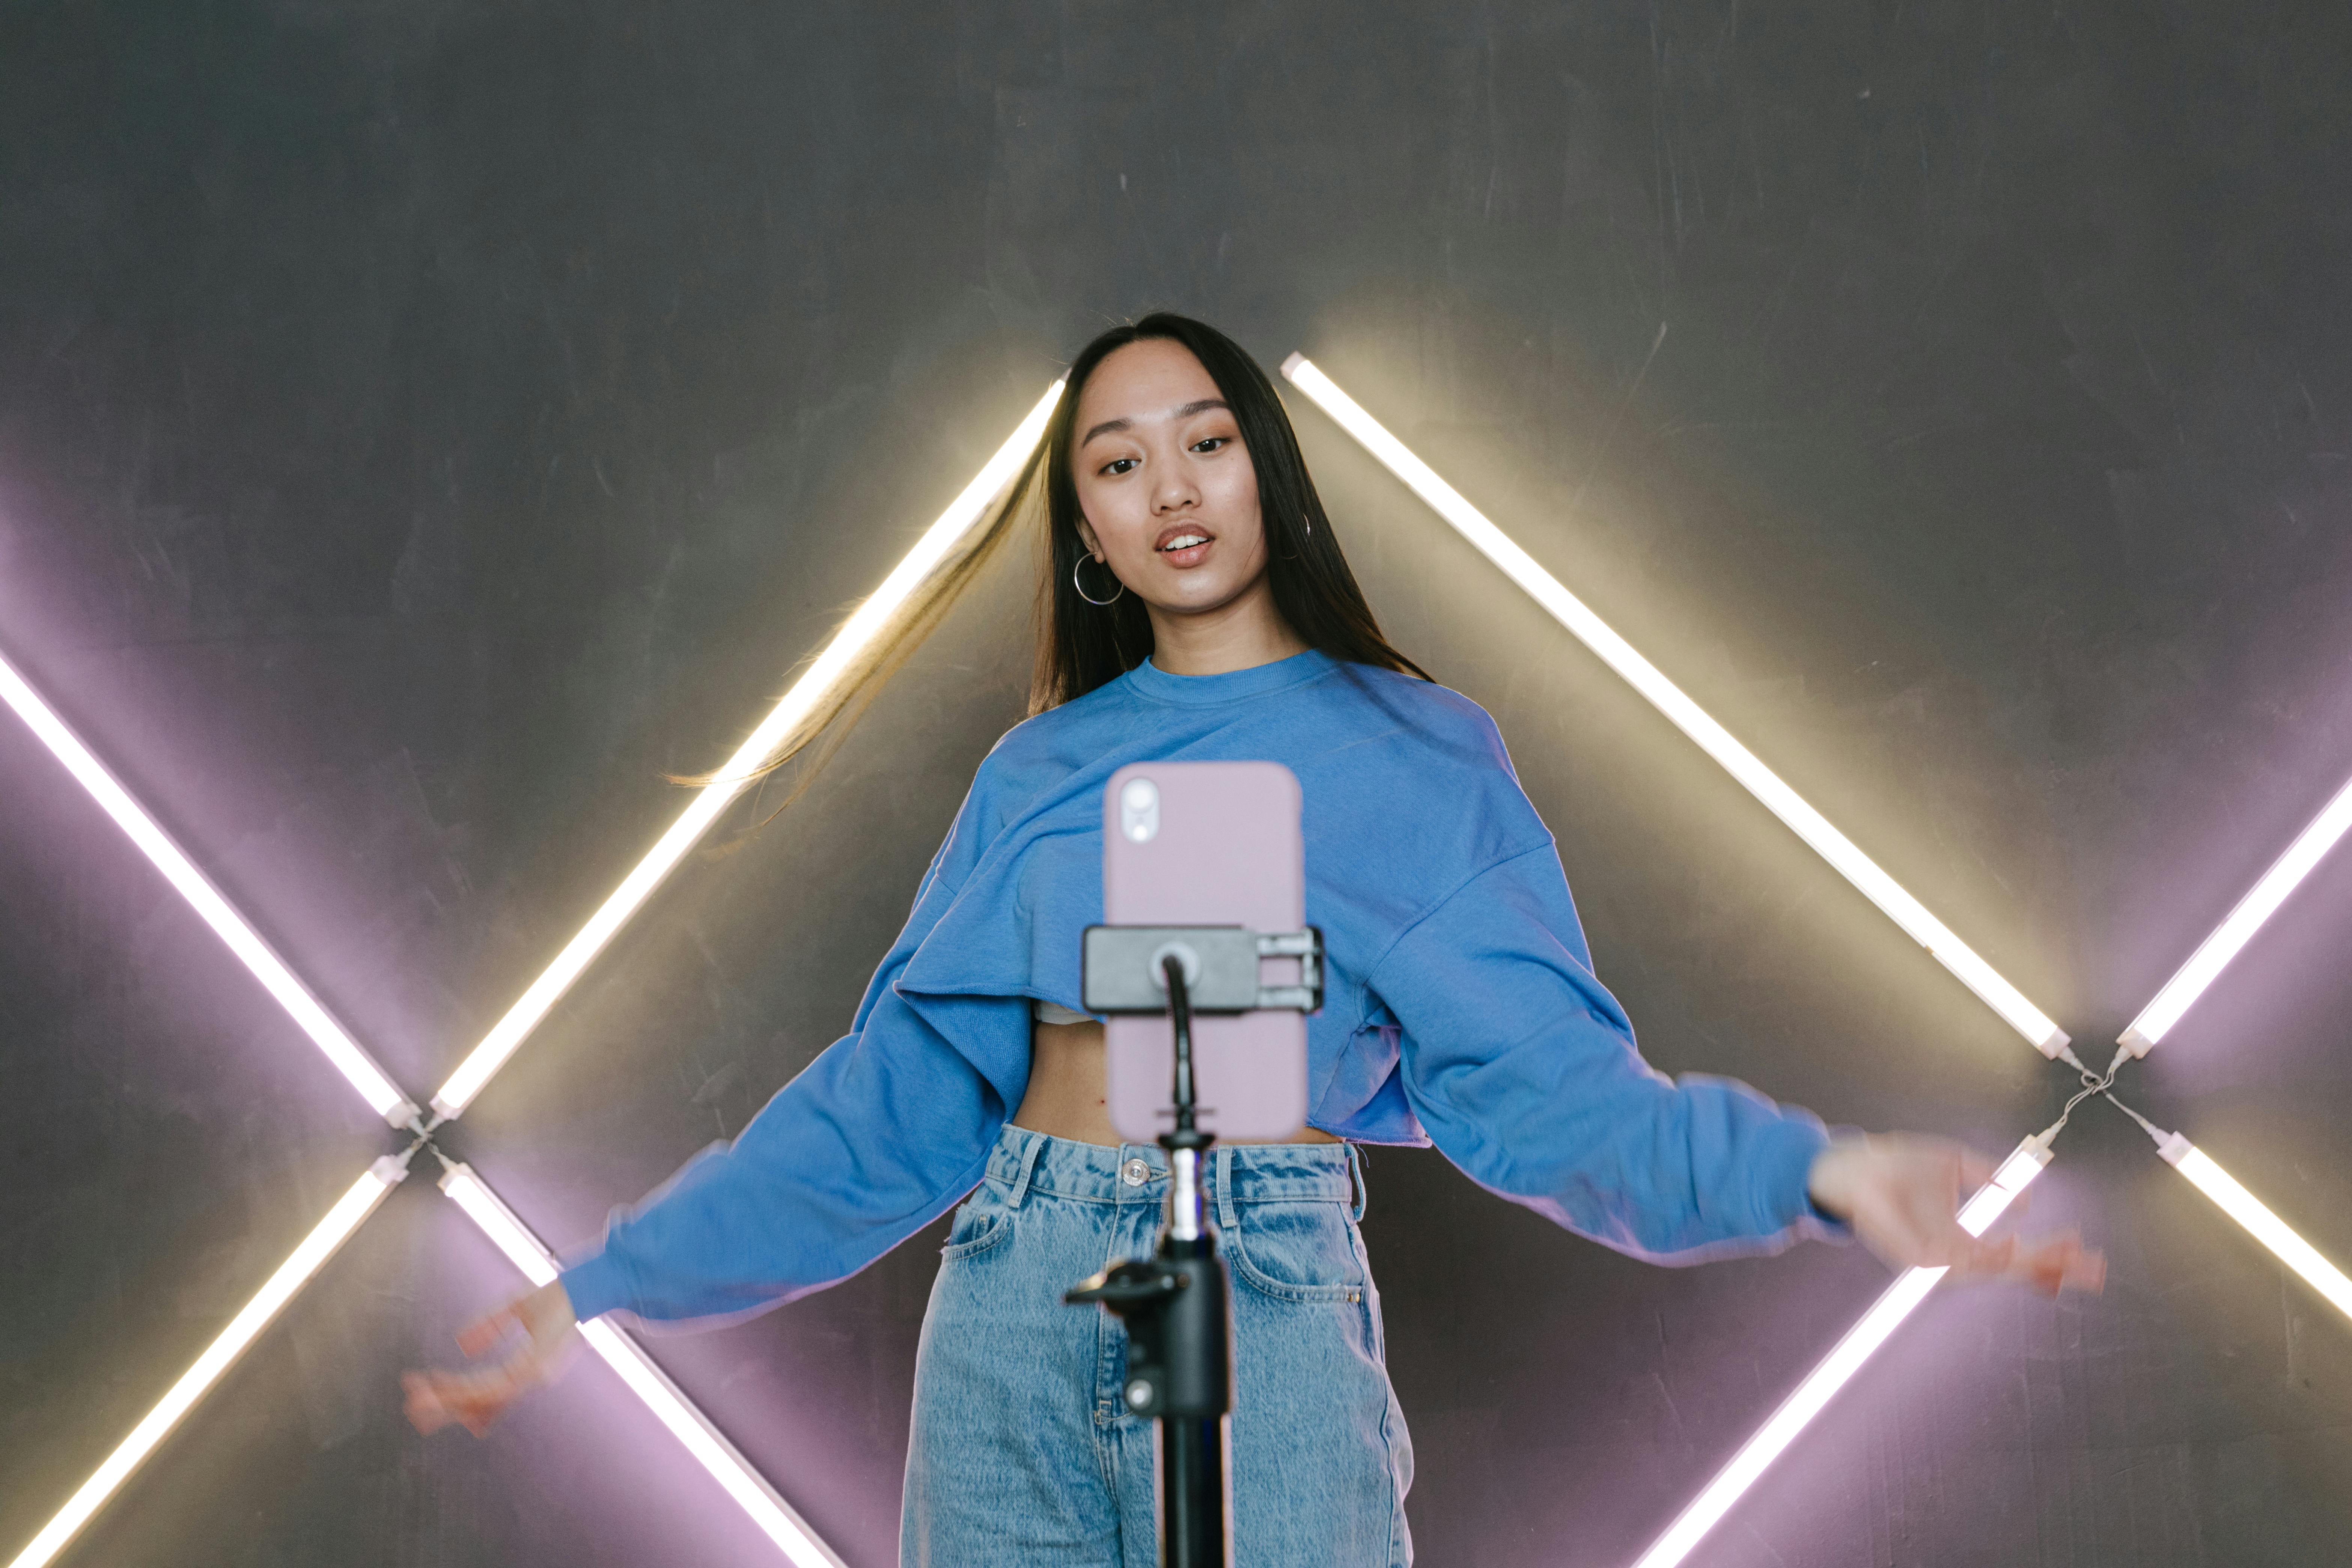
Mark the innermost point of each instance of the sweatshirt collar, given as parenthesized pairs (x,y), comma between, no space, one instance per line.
(1148,679)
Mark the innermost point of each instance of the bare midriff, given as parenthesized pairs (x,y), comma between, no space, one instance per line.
(1067,1097)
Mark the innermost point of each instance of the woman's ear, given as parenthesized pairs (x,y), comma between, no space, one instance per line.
(1086,537)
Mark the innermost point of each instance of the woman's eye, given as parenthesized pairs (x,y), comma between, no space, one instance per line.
(1212,444)
(1118,465)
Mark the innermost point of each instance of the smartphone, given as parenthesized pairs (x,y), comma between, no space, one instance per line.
(1208,844)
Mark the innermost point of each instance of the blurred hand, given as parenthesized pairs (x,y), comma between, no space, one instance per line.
(474,1399)
(1902,1191)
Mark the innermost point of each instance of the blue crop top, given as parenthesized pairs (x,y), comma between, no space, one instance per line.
(1460,1009)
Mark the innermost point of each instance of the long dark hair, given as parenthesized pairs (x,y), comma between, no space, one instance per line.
(1082,646)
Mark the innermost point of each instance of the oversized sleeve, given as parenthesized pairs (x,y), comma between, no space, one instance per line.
(883,1132)
(1524,1072)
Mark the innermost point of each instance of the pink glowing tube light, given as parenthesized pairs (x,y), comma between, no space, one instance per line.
(708,1446)
(350,1058)
(2262,902)
(1837,1369)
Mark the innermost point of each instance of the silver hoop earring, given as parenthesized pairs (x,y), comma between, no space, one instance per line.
(1080,565)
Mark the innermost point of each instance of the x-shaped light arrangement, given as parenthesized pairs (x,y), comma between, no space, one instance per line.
(642,1378)
(838,659)
(1806,1401)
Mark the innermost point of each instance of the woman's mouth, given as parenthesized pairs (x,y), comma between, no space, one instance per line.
(1184,546)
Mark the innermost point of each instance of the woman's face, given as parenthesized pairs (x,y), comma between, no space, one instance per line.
(1166,493)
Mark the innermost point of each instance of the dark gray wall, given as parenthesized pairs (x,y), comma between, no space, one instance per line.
(422,424)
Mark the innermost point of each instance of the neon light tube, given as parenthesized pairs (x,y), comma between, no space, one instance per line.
(710,1447)
(329,1234)
(193,885)
(2262,902)
(804,696)
(1670,700)
(1822,1383)
(2259,1222)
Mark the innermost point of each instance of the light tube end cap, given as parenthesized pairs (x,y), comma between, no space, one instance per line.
(392,1170)
(2134,1042)
(2054,1045)
(2174,1148)
(1290,366)
(445,1111)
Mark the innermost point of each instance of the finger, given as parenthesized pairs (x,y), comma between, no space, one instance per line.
(2062,1263)
(475,1403)
(423,1404)
(1975,1169)
(1969,1258)
(487,1329)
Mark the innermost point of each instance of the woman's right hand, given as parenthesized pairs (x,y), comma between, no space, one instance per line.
(475,1399)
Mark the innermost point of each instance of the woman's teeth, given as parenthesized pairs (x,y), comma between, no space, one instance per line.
(1186,542)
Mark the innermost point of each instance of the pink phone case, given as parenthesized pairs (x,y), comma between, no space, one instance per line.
(1224,850)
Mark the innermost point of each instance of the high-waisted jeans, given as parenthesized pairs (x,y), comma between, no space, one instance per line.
(1022,1455)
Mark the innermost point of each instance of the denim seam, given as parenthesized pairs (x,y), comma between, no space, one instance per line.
(1000,1226)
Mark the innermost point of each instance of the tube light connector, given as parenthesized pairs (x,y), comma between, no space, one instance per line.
(1965,964)
(750,1491)
(1846,1358)
(310,1015)
(804,696)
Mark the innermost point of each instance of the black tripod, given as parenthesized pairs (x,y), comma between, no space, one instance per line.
(1176,1303)
(1176,1307)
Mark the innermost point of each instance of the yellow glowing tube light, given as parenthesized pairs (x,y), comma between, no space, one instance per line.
(804,697)
(255,954)
(710,1447)
(1836,1369)
(2260,902)
(329,1234)
(1671,700)
(2264,1227)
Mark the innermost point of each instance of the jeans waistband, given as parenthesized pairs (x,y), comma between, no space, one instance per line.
(1025,1161)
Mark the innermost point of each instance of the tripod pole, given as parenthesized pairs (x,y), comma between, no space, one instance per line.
(1197,1348)
(1177,1308)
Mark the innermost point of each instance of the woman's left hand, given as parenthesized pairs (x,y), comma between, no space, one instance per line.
(1901,1193)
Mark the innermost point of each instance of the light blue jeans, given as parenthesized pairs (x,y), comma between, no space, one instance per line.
(1022,1455)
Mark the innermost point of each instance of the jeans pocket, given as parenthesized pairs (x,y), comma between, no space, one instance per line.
(1297,1252)
(978,1226)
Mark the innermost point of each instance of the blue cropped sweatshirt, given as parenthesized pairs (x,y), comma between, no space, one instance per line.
(1460,1006)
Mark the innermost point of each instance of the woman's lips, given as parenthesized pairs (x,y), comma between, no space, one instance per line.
(1173,548)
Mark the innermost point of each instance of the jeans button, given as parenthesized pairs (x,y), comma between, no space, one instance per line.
(1135,1173)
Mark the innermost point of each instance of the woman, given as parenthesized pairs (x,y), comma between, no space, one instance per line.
(1460,1009)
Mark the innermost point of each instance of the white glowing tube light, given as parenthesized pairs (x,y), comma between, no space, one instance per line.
(2260,903)
(193,885)
(1836,1369)
(1671,700)
(2259,1222)
(732,1471)
(804,696)
(329,1234)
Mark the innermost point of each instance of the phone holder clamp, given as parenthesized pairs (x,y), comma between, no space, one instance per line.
(1124,968)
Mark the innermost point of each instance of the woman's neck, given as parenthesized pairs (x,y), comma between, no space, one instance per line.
(1241,635)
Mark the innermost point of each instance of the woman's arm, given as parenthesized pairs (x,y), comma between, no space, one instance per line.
(1524,1072)
(886,1130)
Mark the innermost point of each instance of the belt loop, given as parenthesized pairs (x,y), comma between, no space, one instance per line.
(1034,1146)
(1363,1193)
(1225,1216)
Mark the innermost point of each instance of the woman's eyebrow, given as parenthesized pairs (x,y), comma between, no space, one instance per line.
(1198,406)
